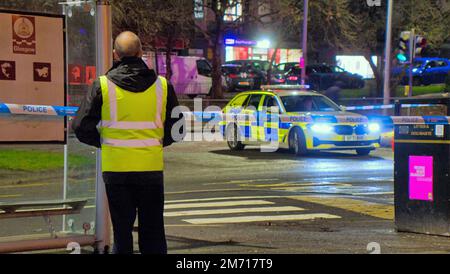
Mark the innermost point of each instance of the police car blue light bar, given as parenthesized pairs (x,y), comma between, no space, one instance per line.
(285,87)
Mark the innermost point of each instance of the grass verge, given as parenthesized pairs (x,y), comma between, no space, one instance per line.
(37,160)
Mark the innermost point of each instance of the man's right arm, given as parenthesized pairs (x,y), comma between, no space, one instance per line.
(88,116)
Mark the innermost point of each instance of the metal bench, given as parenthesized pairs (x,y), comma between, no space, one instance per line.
(42,208)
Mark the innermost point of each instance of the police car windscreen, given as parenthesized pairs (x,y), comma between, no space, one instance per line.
(295,103)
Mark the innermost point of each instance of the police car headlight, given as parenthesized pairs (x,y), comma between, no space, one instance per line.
(374,127)
(321,128)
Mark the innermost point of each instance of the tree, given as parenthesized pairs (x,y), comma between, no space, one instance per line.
(136,16)
(35,5)
(174,18)
(152,20)
(281,18)
(353,26)
(214,35)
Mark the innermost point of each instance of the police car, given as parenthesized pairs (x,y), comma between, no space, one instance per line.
(294,118)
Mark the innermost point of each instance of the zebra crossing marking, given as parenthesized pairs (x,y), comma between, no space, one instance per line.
(232,211)
(218,204)
(248,219)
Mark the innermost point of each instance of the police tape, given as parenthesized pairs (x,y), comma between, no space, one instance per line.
(20,109)
(387,106)
(37,110)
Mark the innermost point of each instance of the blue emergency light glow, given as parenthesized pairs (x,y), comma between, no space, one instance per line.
(321,128)
(374,127)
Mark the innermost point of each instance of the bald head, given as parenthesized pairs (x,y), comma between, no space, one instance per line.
(127,44)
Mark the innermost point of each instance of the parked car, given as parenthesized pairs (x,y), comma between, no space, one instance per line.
(243,75)
(320,76)
(255,64)
(426,71)
(191,76)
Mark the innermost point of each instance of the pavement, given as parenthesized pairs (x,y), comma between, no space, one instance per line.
(219,201)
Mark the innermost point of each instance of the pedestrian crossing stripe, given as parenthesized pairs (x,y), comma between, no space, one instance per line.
(232,211)
(381,211)
(218,204)
(248,219)
(223,199)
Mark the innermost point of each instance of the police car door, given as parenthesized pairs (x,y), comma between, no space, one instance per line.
(251,114)
(269,119)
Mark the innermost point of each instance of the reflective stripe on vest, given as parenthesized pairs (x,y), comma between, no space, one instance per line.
(113,123)
(131,137)
(131,143)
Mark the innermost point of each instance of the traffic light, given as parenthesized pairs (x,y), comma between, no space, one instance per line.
(403,46)
(421,43)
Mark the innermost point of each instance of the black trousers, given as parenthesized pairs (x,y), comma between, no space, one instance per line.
(143,192)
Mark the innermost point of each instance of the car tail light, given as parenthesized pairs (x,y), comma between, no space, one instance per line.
(292,78)
(233,76)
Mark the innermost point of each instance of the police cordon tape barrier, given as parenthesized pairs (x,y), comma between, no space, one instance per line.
(19,109)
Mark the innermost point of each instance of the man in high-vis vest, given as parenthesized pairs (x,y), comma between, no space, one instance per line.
(127,113)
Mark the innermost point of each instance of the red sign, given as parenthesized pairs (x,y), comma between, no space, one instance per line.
(81,75)
(7,70)
(42,72)
(76,73)
(91,74)
(24,34)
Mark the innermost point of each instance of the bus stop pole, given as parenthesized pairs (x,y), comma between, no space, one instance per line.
(104,55)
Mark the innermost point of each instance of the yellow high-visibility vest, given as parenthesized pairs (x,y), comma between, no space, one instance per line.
(132,127)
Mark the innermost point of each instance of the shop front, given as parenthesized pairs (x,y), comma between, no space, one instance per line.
(239,49)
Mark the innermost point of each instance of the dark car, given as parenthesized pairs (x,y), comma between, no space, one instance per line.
(238,78)
(322,77)
(426,71)
(244,74)
(255,64)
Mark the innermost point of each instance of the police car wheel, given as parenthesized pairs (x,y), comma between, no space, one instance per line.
(363,151)
(233,137)
(297,142)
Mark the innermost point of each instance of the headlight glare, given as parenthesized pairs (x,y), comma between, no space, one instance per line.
(374,127)
(321,128)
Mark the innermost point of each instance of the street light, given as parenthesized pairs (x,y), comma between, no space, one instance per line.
(264,44)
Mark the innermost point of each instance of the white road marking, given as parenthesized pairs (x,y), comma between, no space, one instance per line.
(242,181)
(248,219)
(373,193)
(204,190)
(232,210)
(219,204)
(224,198)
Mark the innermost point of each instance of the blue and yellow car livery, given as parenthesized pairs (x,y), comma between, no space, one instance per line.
(302,121)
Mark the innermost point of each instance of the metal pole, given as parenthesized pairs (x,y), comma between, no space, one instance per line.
(66,150)
(305,39)
(104,62)
(411,61)
(387,58)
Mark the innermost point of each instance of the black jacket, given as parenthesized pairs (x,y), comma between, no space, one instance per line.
(131,74)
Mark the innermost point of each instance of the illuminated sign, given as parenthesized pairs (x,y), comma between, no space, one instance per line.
(421,178)
(239,42)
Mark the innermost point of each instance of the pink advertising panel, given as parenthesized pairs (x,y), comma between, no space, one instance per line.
(421,178)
